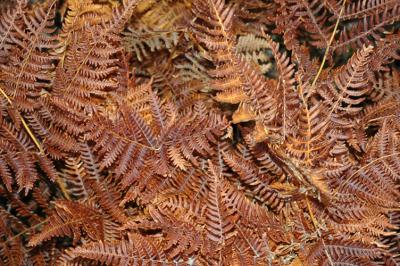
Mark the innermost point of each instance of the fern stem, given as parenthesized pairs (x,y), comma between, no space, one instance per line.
(312,216)
(328,47)
(316,226)
(28,130)
(61,183)
(36,141)
(23,232)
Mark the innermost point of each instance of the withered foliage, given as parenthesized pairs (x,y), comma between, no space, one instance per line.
(200,132)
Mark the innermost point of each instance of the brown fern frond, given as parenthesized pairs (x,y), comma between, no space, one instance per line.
(136,249)
(359,9)
(197,132)
(314,17)
(220,219)
(369,29)
(349,85)
(68,220)
(340,250)
(144,41)
(11,250)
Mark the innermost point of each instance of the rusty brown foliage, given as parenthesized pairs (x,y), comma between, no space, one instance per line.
(199,132)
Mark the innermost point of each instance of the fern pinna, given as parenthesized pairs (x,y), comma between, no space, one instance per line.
(213,132)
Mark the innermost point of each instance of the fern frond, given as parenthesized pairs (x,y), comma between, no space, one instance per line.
(136,249)
(337,250)
(68,220)
(145,41)
(369,29)
(349,85)
(220,219)
(359,9)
